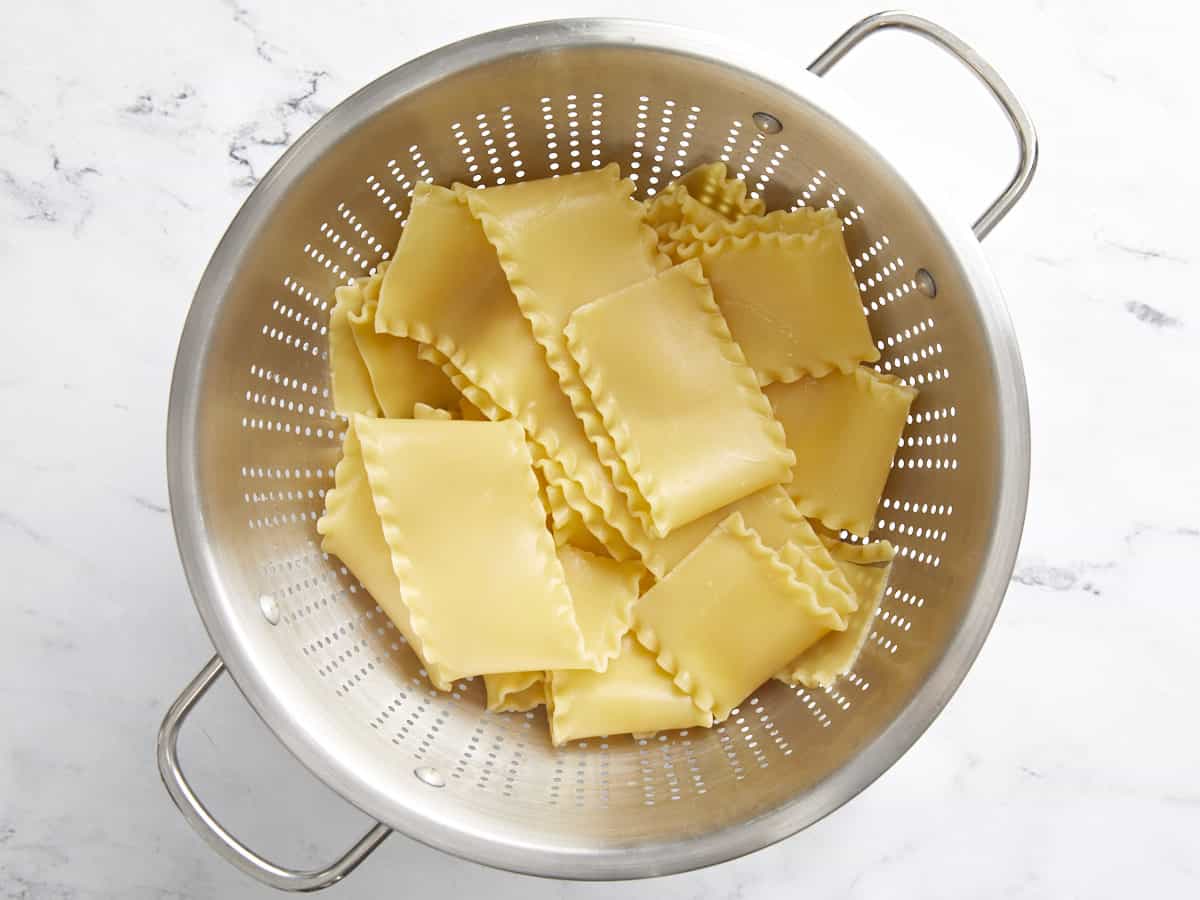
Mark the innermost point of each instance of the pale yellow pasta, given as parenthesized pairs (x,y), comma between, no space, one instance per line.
(446,289)
(567,524)
(561,398)
(711,185)
(515,691)
(728,617)
(481,404)
(864,554)
(485,591)
(684,241)
(425,411)
(704,196)
(817,550)
(576,519)
(683,409)
(773,516)
(771,512)
(633,695)
(564,499)
(674,208)
(350,530)
(844,430)
(563,242)
(399,378)
(834,655)
(603,592)
(351,382)
(791,301)
(544,486)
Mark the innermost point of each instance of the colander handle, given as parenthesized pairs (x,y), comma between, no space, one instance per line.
(1022,125)
(214,833)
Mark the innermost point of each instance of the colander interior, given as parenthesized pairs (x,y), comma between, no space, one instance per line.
(255,441)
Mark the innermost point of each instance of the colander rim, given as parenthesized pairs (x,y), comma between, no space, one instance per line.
(266,692)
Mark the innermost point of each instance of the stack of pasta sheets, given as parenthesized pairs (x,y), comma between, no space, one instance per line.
(603,453)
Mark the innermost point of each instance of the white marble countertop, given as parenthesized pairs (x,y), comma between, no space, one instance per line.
(1067,763)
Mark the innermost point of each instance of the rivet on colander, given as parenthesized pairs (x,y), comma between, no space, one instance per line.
(270,609)
(430,776)
(767,123)
(925,283)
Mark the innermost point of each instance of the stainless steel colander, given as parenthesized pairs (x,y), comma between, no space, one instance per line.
(252,442)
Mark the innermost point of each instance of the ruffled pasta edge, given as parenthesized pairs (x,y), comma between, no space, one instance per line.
(810,677)
(402,565)
(817,368)
(506,697)
(560,360)
(440,676)
(684,679)
(618,430)
(869,381)
(685,234)
(609,643)
(803,535)
(733,192)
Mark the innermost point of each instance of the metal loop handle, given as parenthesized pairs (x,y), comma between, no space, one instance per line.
(212,831)
(1022,125)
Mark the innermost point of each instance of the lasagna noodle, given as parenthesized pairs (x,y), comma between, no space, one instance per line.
(399,378)
(865,554)
(351,381)
(603,591)
(835,654)
(577,517)
(771,513)
(728,617)
(425,411)
(844,430)
(485,591)
(633,695)
(453,297)
(704,196)
(350,530)
(791,301)
(773,516)
(568,525)
(684,411)
(515,691)
(711,185)
(563,242)
(675,208)
(684,241)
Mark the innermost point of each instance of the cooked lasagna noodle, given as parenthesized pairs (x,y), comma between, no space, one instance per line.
(400,379)
(693,437)
(791,300)
(834,655)
(844,429)
(730,616)
(447,290)
(515,691)
(348,374)
(632,695)
(423,476)
(608,454)
(563,243)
